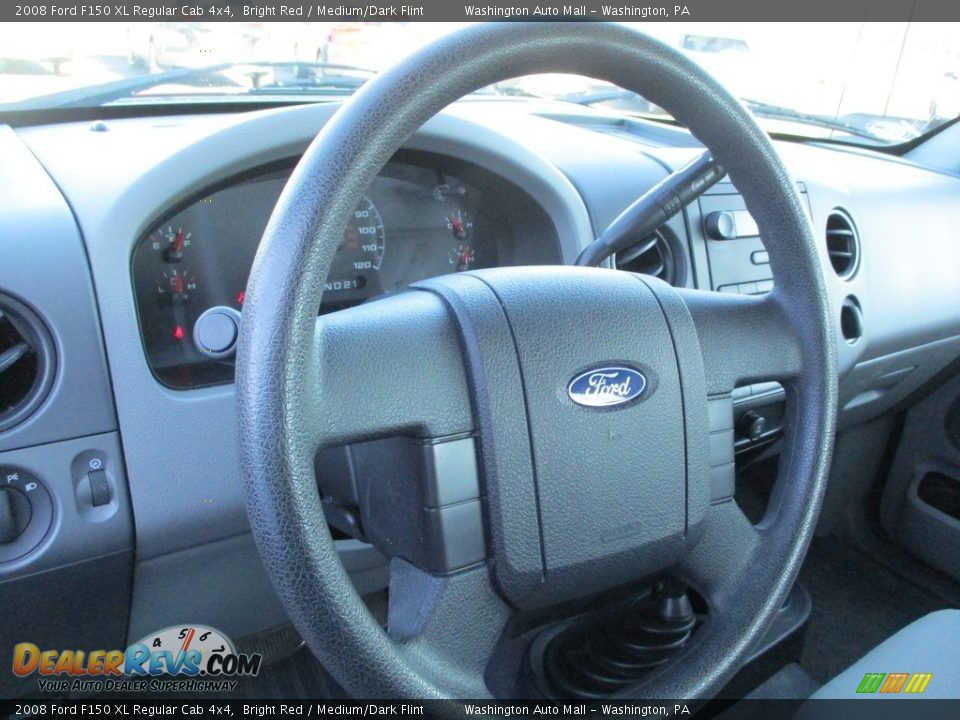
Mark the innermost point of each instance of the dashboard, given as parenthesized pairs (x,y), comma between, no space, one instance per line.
(424,215)
(120,236)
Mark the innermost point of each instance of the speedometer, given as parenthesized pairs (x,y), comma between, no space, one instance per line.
(357,264)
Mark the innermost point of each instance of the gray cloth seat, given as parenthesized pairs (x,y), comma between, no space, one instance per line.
(929,645)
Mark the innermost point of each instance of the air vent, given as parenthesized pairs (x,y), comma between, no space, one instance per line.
(26,362)
(655,256)
(843,244)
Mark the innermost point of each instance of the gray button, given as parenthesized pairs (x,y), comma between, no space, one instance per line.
(451,469)
(720,413)
(760,257)
(721,448)
(722,482)
(460,528)
(216,332)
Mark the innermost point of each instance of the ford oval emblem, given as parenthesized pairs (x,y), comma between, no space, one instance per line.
(606,386)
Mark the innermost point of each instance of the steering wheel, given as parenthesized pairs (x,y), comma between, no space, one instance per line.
(505,490)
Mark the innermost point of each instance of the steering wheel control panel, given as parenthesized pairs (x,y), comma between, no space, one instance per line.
(423,216)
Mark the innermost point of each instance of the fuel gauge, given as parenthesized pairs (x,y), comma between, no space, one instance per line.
(171,242)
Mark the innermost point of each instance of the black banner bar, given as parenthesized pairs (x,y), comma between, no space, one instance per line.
(470,10)
(874,709)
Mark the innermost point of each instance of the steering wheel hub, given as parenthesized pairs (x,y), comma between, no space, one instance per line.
(594,496)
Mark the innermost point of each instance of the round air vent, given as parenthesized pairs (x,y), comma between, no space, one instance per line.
(843,243)
(26,362)
(851,320)
(657,255)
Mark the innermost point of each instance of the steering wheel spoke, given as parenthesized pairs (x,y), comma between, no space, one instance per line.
(386,368)
(743,339)
(387,406)
(723,553)
(427,614)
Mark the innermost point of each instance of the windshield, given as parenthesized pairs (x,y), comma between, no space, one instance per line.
(871,83)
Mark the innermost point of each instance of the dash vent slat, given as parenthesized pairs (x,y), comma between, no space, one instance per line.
(25,362)
(843,244)
(651,256)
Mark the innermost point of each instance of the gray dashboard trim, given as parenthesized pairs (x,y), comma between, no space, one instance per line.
(43,264)
(232,594)
(79,532)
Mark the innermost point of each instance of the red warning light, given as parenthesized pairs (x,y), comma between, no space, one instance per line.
(179,333)
(241,296)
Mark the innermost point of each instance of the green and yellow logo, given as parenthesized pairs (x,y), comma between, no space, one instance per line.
(913,683)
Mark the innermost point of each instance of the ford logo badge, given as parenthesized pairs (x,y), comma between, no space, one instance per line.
(606,387)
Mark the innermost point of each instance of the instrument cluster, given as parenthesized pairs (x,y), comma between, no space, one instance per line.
(424,215)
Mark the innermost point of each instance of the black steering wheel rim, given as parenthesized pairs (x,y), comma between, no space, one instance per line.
(278,350)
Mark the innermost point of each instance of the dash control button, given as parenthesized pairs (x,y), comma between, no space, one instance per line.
(216,331)
(99,488)
(27,513)
(15,512)
(721,225)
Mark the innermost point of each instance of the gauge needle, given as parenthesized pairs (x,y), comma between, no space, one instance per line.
(178,241)
(457,224)
(186,642)
(178,283)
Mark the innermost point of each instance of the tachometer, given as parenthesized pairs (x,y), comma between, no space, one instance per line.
(357,265)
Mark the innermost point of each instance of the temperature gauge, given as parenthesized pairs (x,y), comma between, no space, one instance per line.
(178,285)
(171,242)
(460,224)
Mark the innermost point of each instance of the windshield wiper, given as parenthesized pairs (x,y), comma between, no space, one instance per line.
(301,78)
(757,107)
(780,112)
(106,93)
(599,96)
(307,78)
